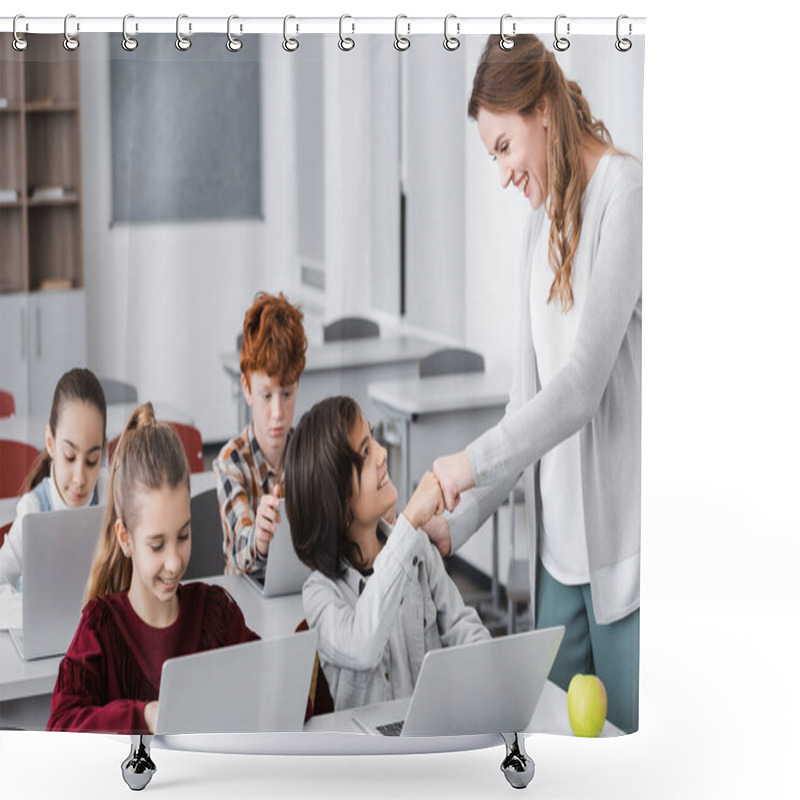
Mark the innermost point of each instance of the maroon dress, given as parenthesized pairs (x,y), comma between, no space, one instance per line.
(113,666)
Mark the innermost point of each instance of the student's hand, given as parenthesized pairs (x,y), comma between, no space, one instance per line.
(151,715)
(455,475)
(267,517)
(438,530)
(391,516)
(426,501)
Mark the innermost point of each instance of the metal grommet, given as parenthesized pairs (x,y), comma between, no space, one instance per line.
(507,42)
(129,43)
(289,44)
(401,42)
(181,42)
(623,45)
(451,43)
(561,43)
(346,43)
(233,44)
(19,43)
(71,43)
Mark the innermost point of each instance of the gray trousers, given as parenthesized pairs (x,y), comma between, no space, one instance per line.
(609,651)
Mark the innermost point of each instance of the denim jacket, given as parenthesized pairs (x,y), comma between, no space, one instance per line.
(374,631)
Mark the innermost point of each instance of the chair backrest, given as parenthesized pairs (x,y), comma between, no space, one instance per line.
(7,405)
(16,460)
(208,539)
(191,440)
(350,328)
(319,695)
(118,391)
(450,361)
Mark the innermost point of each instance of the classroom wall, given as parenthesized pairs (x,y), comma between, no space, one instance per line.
(165,300)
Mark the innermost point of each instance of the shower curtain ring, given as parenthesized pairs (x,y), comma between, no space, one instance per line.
(506,41)
(129,43)
(233,44)
(346,43)
(181,41)
(401,42)
(561,43)
(71,43)
(19,43)
(451,43)
(623,45)
(289,44)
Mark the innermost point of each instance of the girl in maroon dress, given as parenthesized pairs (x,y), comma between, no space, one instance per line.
(136,612)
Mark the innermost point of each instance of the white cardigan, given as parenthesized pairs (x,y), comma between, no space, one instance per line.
(598,393)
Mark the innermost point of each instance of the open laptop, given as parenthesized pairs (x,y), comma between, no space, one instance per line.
(284,573)
(246,688)
(486,687)
(57,552)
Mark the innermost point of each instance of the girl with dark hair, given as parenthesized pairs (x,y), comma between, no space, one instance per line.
(137,614)
(379,597)
(67,473)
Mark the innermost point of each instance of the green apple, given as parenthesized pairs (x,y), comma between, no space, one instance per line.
(587,704)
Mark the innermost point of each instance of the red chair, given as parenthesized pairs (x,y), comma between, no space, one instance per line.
(7,406)
(319,693)
(3,531)
(191,440)
(16,460)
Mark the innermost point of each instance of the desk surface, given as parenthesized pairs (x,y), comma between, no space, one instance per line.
(463,392)
(30,427)
(356,353)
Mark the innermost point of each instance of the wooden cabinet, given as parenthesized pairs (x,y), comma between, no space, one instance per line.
(40,166)
(43,305)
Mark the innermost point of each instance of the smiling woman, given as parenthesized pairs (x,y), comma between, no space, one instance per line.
(572,428)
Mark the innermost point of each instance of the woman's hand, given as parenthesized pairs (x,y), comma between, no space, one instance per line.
(426,502)
(267,517)
(438,530)
(455,476)
(151,715)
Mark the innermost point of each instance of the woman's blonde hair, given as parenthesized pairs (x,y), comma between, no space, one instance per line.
(514,81)
(149,455)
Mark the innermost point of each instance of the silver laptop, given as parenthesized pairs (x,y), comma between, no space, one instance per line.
(485,687)
(57,552)
(246,688)
(284,573)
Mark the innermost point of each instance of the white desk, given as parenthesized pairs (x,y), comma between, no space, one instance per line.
(437,416)
(30,427)
(347,367)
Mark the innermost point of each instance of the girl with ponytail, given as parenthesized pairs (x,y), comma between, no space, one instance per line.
(572,428)
(136,612)
(67,473)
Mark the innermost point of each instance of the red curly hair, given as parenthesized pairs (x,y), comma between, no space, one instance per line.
(273,341)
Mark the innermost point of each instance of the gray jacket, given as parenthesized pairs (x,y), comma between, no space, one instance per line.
(374,631)
(598,393)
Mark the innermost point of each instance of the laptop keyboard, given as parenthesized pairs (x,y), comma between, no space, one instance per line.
(390,728)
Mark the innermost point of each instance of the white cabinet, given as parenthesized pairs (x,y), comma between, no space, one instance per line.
(43,336)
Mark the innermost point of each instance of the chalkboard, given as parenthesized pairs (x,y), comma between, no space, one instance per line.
(185,130)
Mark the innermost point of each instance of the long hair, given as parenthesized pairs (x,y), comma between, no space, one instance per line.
(149,456)
(514,81)
(77,385)
(319,483)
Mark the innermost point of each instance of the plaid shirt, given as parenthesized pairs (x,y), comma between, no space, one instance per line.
(243,478)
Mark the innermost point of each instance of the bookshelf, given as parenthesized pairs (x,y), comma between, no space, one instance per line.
(42,297)
(40,168)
